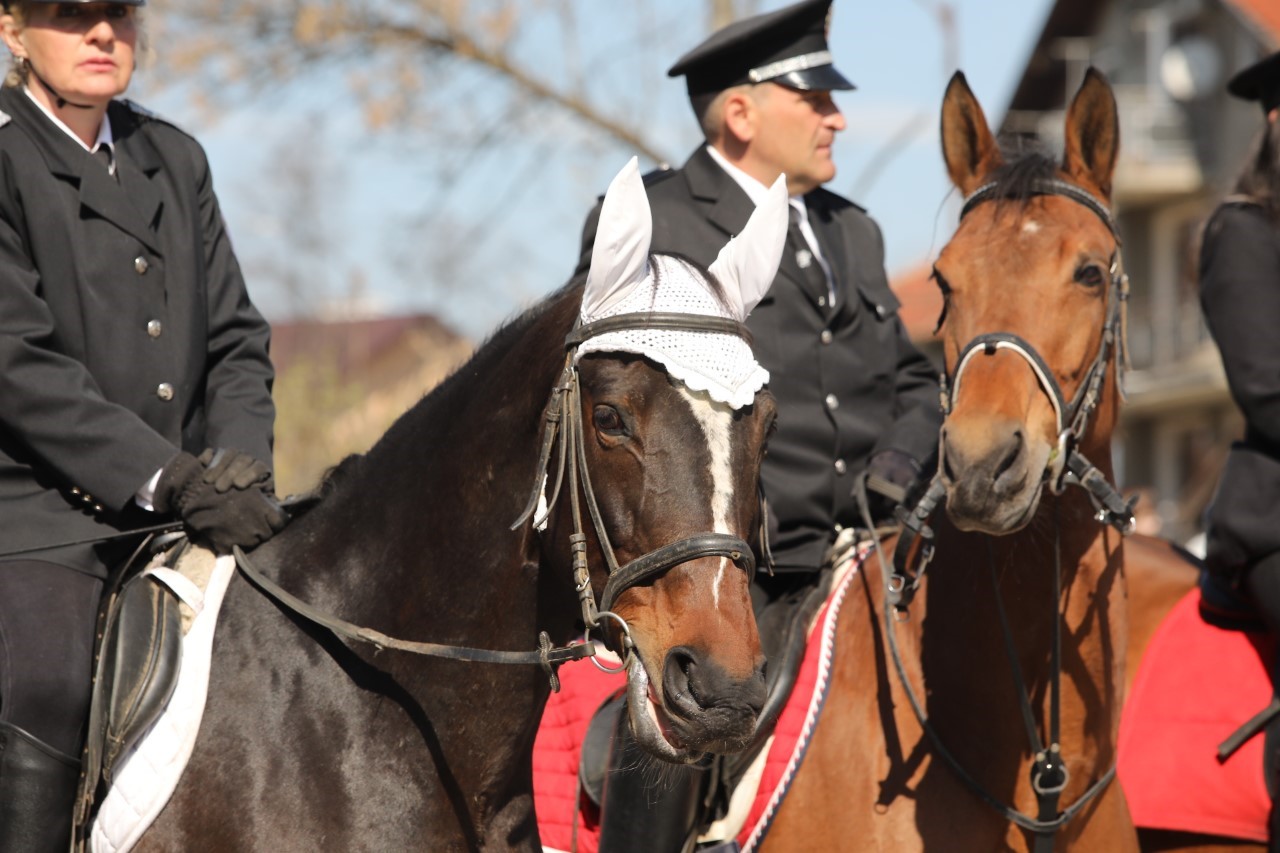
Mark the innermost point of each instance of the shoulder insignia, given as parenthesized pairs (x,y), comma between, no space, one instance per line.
(142,112)
(658,175)
(5,118)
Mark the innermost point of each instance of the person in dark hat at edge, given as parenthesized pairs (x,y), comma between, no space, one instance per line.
(854,396)
(1240,297)
(128,344)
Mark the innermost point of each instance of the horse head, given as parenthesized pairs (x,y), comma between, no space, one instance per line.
(1033,291)
(673,429)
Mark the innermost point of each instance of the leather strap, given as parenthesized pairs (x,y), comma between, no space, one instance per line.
(546,656)
(668,556)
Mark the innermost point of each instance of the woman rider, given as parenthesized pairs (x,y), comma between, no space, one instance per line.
(1240,296)
(127,344)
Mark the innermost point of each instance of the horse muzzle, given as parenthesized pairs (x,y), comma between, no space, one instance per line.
(695,707)
(993,473)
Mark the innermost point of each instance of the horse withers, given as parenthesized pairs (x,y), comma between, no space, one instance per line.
(1013,649)
(310,743)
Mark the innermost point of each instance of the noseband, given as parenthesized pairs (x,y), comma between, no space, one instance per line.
(564,419)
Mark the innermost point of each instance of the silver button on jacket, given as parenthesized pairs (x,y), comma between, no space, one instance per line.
(164,391)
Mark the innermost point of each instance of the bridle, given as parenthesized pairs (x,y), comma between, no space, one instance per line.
(564,420)
(1067,466)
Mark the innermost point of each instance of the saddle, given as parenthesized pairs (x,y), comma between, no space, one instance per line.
(136,664)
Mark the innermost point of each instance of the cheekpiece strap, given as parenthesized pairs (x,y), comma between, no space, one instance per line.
(666,321)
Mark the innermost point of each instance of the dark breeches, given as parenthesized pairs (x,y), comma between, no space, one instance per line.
(48,616)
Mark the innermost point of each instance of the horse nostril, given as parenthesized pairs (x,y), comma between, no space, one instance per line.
(679,675)
(948,473)
(1011,458)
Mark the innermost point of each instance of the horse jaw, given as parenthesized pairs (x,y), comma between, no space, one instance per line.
(649,722)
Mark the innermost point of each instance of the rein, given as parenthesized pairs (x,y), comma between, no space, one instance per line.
(565,408)
(564,420)
(1068,466)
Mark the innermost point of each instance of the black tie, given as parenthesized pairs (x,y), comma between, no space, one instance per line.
(815,280)
(103,156)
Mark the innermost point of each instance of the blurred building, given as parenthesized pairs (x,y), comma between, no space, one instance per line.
(1182,141)
(341,384)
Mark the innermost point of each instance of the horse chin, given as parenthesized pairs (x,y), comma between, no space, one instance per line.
(650,724)
(1000,520)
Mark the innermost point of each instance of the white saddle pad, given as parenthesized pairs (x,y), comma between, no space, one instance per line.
(147,778)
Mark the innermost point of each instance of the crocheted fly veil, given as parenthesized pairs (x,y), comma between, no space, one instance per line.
(625,279)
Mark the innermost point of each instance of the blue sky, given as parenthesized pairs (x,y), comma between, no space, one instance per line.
(478,248)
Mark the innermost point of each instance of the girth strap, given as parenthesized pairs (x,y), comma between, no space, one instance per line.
(668,556)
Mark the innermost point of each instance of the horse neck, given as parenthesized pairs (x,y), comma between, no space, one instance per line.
(427,510)
(973,697)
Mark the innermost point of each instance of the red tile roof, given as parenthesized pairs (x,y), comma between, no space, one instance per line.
(352,344)
(921,300)
(1265,14)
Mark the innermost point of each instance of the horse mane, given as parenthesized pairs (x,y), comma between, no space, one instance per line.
(1026,167)
(544,355)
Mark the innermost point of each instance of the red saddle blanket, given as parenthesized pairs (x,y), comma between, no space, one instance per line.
(1196,685)
(567,820)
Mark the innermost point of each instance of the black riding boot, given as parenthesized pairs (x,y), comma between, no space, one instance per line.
(648,806)
(1263,585)
(37,789)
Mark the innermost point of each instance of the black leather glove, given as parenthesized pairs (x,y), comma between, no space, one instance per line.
(234,469)
(244,517)
(890,474)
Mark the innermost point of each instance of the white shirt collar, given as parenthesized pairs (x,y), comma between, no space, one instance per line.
(105,136)
(755,190)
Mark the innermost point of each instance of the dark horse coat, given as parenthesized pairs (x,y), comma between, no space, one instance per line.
(1240,295)
(126,332)
(847,380)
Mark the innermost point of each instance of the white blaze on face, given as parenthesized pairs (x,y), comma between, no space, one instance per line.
(1030,226)
(716,420)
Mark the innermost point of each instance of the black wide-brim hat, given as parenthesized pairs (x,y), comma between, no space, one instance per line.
(787,46)
(1259,82)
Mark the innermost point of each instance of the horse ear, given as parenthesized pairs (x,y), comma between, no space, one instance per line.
(1093,134)
(968,146)
(620,255)
(748,263)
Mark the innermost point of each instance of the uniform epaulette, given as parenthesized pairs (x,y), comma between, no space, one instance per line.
(142,112)
(658,175)
(5,118)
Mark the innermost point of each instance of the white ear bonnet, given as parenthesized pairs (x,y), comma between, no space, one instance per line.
(624,280)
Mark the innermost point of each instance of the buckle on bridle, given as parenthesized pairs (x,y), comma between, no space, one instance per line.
(628,645)
(1058,460)
(1050,775)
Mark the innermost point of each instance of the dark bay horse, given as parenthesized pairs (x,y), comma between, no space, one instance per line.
(1018,752)
(311,743)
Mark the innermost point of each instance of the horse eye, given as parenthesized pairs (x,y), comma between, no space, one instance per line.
(943,284)
(945,287)
(607,420)
(1091,275)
